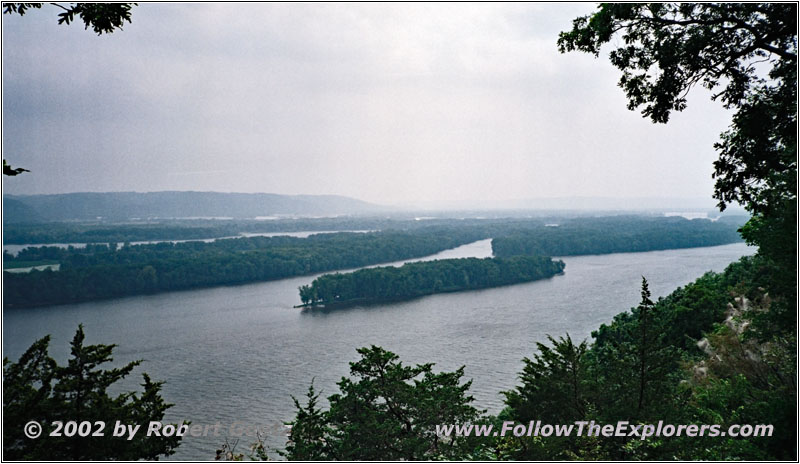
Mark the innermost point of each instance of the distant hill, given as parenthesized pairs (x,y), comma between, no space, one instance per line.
(131,205)
(18,211)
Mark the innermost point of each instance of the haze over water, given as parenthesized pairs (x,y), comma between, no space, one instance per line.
(238,353)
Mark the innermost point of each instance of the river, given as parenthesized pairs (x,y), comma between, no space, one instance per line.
(232,354)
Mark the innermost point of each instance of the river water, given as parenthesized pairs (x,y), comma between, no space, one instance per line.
(234,355)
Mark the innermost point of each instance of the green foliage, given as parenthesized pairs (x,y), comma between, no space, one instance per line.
(633,361)
(743,380)
(775,235)
(37,388)
(554,374)
(385,411)
(307,439)
(667,48)
(553,389)
(757,166)
(748,49)
(426,278)
(101,17)
(691,357)
(103,271)
(615,235)
(687,358)
(63,232)
(17,231)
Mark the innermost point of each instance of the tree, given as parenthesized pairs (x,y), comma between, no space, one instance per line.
(670,48)
(37,388)
(553,390)
(645,307)
(101,17)
(632,360)
(747,54)
(553,384)
(307,437)
(385,411)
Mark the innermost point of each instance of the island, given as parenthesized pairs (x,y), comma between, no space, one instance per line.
(380,284)
(617,234)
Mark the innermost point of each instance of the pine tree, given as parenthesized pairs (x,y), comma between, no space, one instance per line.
(37,388)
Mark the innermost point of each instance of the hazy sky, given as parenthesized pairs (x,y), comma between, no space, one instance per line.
(390,103)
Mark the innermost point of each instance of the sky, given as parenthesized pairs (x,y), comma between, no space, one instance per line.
(397,104)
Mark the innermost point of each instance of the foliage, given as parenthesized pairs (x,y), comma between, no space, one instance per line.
(103,231)
(384,411)
(634,359)
(750,51)
(747,52)
(553,374)
(307,439)
(615,235)
(37,388)
(103,271)
(553,389)
(669,48)
(687,358)
(743,379)
(426,278)
(258,451)
(101,17)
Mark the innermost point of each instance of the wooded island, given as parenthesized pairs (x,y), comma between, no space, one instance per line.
(425,278)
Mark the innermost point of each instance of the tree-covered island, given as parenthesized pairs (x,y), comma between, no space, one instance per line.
(108,271)
(111,270)
(425,278)
(602,235)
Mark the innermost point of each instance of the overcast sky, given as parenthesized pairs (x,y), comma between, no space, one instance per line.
(402,104)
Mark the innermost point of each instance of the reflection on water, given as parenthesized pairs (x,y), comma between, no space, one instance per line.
(238,353)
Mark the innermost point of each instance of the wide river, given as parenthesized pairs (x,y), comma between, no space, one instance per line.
(236,354)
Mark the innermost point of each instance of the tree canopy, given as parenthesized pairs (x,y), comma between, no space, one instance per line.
(670,48)
(413,280)
(101,17)
(384,411)
(37,388)
(745,52)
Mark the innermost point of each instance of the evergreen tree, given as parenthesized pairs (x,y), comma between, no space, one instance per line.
(307,439)
(36,388)
(385,411)
(553,390)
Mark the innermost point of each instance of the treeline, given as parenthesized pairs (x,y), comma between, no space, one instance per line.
(101,271)
(194,229)
(93,233)
(426,278)
(698,356)
(107,271)
(714,352)
(67,232)
(616,235)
